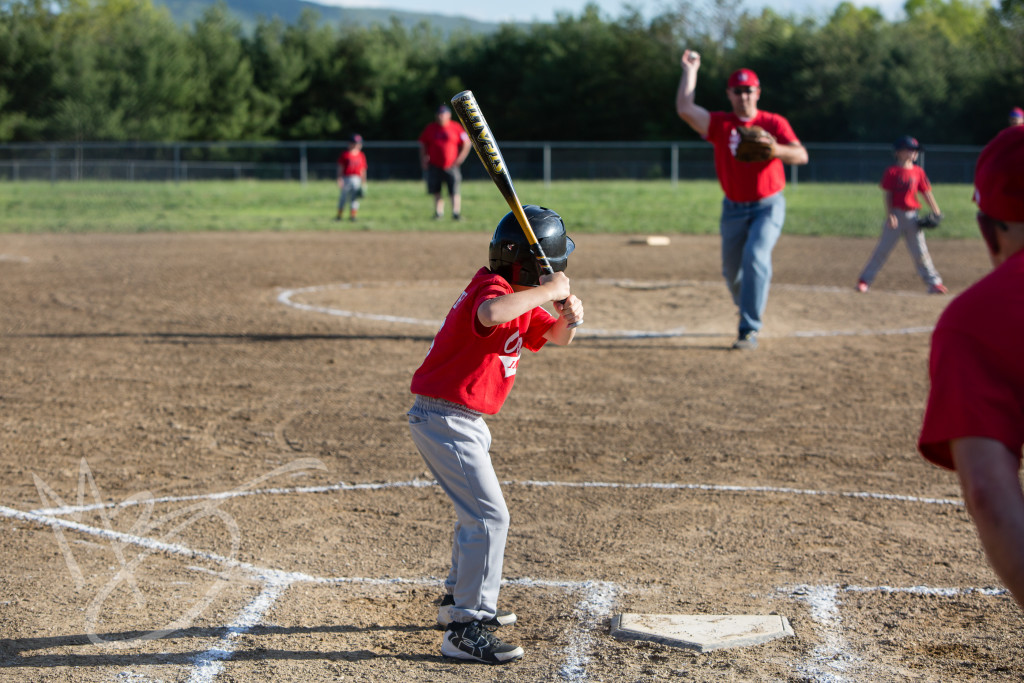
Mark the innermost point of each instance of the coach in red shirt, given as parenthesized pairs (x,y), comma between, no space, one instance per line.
(754,207)
(444,145)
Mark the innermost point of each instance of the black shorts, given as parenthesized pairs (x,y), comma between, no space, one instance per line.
(451,178)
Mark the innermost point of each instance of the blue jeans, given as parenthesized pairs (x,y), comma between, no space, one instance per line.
(749,233)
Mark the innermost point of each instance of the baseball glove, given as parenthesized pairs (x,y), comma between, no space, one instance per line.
(932,220)
(756,144)
(361,192)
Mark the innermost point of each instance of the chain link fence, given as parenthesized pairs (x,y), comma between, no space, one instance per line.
(548,161)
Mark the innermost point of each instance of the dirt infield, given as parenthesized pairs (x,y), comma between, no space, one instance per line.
(207,474)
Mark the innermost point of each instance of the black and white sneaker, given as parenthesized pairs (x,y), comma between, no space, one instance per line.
(445,617)
(470,640)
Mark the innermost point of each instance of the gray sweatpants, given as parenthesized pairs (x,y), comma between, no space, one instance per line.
(349,192)
(455,443)
(914,237)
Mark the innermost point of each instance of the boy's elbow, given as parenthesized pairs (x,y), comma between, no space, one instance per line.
(484,316)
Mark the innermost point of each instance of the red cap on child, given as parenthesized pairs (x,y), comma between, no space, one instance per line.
(998,181)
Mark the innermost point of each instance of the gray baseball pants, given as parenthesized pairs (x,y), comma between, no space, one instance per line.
(349,192)
(914,237)
(455,443)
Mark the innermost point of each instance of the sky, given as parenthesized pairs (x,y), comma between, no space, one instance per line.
(544,10)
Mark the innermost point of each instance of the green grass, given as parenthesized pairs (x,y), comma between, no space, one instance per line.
(632,207)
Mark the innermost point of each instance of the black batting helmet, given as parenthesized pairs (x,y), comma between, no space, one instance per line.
(510,254)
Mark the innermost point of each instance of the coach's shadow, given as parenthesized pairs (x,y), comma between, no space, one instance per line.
(12,649)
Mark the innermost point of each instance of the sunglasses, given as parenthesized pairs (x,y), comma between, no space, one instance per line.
(988,226)
(742,91)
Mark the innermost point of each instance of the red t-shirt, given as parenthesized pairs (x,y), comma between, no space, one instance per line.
(904,184)
(977,367)
(474,365)
(352,162)
(443,142)
(747,181)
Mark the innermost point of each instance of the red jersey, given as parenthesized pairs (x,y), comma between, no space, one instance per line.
(977,368)
(747,181)
(474,365)
(352,162)
(443,142)
(904,184)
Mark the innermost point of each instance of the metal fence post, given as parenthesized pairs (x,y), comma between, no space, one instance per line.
(547,164)
(303,164)
(675,164)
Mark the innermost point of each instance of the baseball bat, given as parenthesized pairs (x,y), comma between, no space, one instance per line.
(486,147)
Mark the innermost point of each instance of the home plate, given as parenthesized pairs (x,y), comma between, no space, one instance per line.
(701,632)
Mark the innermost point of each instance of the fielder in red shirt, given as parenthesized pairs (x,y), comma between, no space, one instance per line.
(901,183)
(352,169)
(444,145)
(754,208)
(468,372)
(974,419)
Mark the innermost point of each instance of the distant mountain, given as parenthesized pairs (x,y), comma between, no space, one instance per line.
(248,12)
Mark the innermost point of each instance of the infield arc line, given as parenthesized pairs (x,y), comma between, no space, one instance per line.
(287,298)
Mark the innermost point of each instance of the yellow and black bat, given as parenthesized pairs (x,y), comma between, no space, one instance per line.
(486,147)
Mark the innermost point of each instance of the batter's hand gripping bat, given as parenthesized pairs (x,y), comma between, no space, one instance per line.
(486,147)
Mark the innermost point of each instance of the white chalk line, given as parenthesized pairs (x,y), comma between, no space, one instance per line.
(287,298)
(832,659)
(209,664)
(425,483)
(596,602)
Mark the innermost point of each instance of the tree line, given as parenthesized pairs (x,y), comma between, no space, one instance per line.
(117,70)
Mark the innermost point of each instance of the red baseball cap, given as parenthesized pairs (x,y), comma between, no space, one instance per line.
(742,77)
(998,181)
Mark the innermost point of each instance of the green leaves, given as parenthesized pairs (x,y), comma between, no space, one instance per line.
(123,70)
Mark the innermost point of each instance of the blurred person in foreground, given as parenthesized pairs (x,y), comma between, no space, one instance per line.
(974,419)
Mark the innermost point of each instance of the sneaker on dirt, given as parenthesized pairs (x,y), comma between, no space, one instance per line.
(472,641)
(444,614)
(746,342)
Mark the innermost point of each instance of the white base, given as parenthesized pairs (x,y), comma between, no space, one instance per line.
(701,632)
(653,241)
